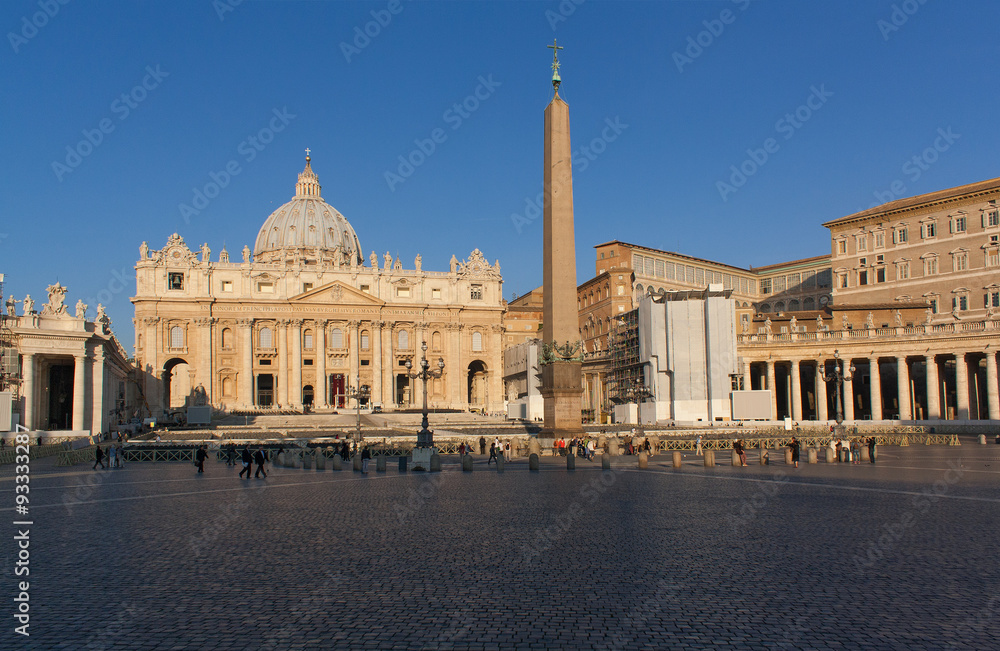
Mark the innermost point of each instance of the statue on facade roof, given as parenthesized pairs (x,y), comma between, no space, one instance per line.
(454,263)
(11,305)
(206,253)
(81,309)
(143,251)
(246,253)
(793,324)
(819,322)
(898,318)
(388,261)
(374,261)
(844,323)
(418,262)
(928,315)
(767,326)
(870,321)
(29,305)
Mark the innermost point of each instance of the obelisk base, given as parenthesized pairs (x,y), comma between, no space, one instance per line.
(562,393)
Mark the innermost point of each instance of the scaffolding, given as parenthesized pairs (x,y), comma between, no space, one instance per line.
(626,369)
(10,364)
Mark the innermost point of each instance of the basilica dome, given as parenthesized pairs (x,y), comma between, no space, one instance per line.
(306,228)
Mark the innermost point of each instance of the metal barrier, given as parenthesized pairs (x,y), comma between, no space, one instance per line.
(9,454)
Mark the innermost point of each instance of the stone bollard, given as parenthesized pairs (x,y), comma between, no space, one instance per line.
(831,455)
(291,459)
(570,462)
(643,460)
(982,439)
(613,447)
(812,455)
(788,457)
(320,460)
(500,463)
(356,462)
(709,458)
(380,463)
(533,462)
(677,458)
(435,461)
(865,455)
(467,463)
(336,462)
(402,463)
(605,461)
(307,461)
(765,457)
(279,460)
(736,459)
(534,447)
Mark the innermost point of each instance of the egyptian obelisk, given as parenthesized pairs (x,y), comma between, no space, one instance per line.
(562,354)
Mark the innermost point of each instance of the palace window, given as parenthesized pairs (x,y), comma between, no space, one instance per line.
(177,337)
(861,242)
(958,225)
(928,230)
(175,280)
(993,258)
(991,218)
(991,299)
(862,277)
(337,338)
(902,270)
(880,275)
(960,303)
(265,338)
(476,292)
(765,286)
(960,261)
(930,266)
(841,247)
(880,240)
(842,280)
(899,235)
(477,342)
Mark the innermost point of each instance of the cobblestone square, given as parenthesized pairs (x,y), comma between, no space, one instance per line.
(901,554)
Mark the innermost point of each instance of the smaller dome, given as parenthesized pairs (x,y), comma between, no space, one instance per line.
(305,224)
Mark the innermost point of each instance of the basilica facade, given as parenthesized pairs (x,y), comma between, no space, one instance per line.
(305,319)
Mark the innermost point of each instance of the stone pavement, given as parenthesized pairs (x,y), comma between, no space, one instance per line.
(900,555)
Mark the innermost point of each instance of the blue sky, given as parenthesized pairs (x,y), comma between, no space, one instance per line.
(838,96)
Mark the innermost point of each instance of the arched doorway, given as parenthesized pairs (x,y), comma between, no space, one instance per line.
(307,395)
(176,383)
(477,389)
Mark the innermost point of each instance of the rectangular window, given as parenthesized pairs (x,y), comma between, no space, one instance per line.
(960,303)
(649,267)
(928,230)
(637,263)
(227,285)
(365,362)
(993,258)
(824,278)
(863,277)
(699,276)
(306,287)
(175,281)
(841,246)
(436,294)
(903,271)
(930,267)
(993,300)
(934,305)
(307,362)
(880,275)
(476,292)
(961,261)
(669,270)
(265,287)
(765,286)
(862,242)
(778,283)
(660,272)
(879,240)
(899,235)
(366,288)
(402,292)
(364,341)
(842,281)
(991,218)
(958,225)
(794,281)
(264,362)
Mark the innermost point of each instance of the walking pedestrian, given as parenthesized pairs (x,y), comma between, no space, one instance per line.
(99,457)
(855,450)
(199,458)
(871,449)
(697,446)
(794,447)
(259,459)
(366,455)
(506,450)
(247,458)
(230,455)
(493,454)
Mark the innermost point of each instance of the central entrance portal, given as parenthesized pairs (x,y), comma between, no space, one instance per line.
(338,389)
(265,390)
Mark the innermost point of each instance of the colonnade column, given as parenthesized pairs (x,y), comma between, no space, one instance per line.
(772,388)
(821,408)
(79,391)
(933,388)
(747,385)
(245,388)
(992,390)
(29,390)
(375,341)
(875,379)
(97,395)
(962,386)
(848,393)
(903,388)
(295,384)
(320,393)
(796,391)
(283,363)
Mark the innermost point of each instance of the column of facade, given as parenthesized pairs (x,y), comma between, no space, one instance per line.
(747,385)
(282,363)
(822,413)
(97,410)
(796,391)
(903,381)
(245,388)
(933,389)
(771,387)
(321,394)
(79,392)
(457,394)
(992,390)
(375,342)
(876,388)
(848,394)
(295,382)
(962,386)
(29,390)
(388,364)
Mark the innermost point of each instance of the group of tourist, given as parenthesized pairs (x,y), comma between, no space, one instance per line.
(849,450)
(115,456)
(498,449)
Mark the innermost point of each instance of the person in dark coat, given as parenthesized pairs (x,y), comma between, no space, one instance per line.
(230,456)
(345,451)
(259,459)
(99,457)
(482,445)
(366,455)
(247,459)
(199,458)
(794,447)
(871,449)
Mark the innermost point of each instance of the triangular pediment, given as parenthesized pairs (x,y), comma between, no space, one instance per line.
(336,293)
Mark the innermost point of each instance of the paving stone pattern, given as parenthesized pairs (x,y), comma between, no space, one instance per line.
(154,556)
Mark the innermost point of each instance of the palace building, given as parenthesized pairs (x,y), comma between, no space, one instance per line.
(305,318)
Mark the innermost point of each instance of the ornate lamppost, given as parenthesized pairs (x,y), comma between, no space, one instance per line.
(425,438)
(359,393)
(839,376)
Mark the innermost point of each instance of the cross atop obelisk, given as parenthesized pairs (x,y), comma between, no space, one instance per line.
(556,80)
(562,351)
